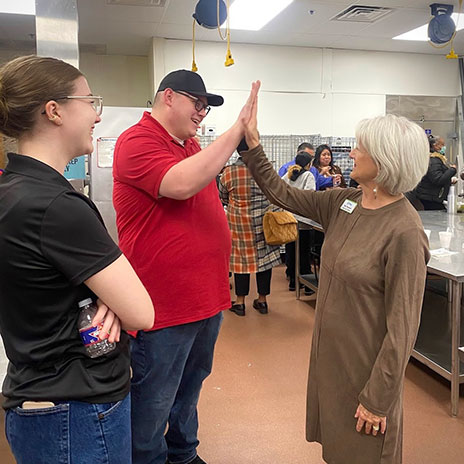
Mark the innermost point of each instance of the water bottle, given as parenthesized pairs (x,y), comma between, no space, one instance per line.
(90,333)
(451,206)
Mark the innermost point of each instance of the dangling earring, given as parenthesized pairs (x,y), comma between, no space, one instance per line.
(375,192)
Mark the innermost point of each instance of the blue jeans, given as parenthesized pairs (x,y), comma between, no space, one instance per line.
(74,432)
(169,366)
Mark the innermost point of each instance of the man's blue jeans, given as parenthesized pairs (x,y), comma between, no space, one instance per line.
(169,366)
(74,432)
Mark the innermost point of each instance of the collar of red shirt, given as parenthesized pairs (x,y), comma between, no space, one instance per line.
(149,121)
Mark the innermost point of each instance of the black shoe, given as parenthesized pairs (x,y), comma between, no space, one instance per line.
(308,291)
(260,306)
(292,287)
(238,309)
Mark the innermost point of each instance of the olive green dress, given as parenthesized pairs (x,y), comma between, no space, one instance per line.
(372,279)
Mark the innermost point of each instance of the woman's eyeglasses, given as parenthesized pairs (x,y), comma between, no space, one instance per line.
(96,101)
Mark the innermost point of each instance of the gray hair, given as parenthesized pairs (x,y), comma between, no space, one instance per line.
(399,148)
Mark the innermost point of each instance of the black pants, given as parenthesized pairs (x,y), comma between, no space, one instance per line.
(305,248)
(263,282)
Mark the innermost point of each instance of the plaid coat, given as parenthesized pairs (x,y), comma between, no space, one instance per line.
(246,205)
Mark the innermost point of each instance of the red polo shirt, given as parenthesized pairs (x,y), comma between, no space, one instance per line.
(179,248)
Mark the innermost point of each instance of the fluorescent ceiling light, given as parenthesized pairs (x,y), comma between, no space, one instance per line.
(252,15)
(420,33)
(26,7)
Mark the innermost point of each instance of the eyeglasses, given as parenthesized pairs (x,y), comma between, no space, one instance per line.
(96,101)
(199,105)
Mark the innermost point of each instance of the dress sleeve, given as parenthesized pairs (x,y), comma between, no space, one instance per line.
(283,170)
(318,206)
(222,187)
(74,239)
(142,162)
(405,273)
(323,182)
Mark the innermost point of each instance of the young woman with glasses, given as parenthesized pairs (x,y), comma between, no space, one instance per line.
(61,405)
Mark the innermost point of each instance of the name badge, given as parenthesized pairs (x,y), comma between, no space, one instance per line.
(348,206)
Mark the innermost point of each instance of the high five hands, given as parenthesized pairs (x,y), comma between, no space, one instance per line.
(248,116)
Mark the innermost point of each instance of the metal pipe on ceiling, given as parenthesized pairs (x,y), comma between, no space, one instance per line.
(57,28)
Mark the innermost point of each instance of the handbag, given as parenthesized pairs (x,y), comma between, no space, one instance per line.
(279,227)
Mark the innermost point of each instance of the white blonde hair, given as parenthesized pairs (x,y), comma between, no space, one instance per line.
(399,148)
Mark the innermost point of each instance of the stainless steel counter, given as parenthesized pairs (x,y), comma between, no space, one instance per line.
(451,266)
(440,331)
(443,356)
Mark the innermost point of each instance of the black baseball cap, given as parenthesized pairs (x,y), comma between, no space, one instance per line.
(190,82)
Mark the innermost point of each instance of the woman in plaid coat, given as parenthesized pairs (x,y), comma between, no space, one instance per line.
(246,205)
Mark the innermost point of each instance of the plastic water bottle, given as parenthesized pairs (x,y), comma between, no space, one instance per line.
(90,333)
(451,206)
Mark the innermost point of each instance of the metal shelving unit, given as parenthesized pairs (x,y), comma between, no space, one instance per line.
(309,280)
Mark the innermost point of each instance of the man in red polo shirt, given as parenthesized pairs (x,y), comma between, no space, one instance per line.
(173,230)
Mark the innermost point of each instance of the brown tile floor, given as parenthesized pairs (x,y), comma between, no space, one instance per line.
(252,406)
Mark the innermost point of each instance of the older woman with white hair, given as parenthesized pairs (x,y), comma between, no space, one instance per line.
(373,269)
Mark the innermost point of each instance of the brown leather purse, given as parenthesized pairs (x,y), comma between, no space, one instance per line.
(279,227)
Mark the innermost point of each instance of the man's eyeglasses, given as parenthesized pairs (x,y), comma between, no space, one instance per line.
(199,105)
(96,101)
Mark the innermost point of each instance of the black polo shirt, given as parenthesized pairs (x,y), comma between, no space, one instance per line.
(52,239)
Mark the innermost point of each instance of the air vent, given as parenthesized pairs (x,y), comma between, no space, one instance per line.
(362,14)
(137,2)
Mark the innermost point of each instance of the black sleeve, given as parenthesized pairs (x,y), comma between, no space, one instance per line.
(439,174)
(74,238)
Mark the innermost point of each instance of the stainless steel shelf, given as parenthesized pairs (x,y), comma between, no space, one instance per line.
(433,345)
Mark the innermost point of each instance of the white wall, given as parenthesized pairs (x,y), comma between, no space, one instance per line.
(307,90)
